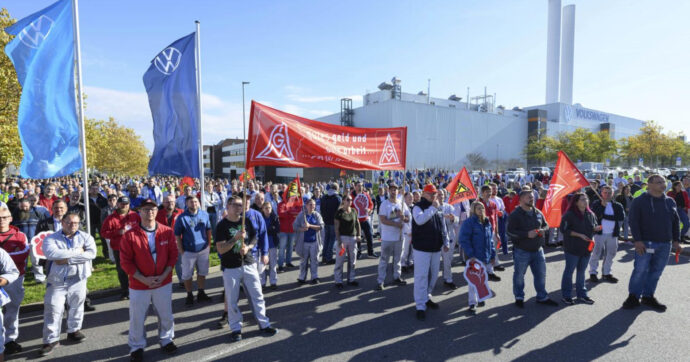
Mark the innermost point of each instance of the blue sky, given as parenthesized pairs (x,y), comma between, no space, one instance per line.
(303,56)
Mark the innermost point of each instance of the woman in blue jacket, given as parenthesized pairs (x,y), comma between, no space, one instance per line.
(476,239)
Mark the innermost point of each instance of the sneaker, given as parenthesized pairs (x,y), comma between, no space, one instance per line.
(379,286)
(88,307)
(353,283)
(421,315)
(568,301)
(301,281)
(472,309)
(202,297)
(593,278)
(235,336)
(49,348)
(404,269)
(223,320)
(269,331)
(76,336)
(12,347)
(281,269)
(431,304)
(315,281)
(652,302)
(289,265)
(499,268)
(585,300)
(123,296)
(519,303)
(548,301)
(494,278)
(339,285)
(631,302)
(190,299)
(399,282)
(274,286)
(373,255)
(481,304)
(610,278)
(137,355)
(179,286)
(450,285)
(169,348)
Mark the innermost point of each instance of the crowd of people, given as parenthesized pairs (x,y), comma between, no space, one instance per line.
(151,227)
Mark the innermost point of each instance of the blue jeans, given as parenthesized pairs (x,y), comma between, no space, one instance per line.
(648,268)
(502,224)
(329,240)
(684,220)
(537,264)
(285,248)
(213,218)
(573,262)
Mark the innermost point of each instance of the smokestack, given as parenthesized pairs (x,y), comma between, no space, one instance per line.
(553,37)
(567,54)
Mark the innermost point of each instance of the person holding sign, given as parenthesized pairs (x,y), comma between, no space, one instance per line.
(578,225)
(476,240)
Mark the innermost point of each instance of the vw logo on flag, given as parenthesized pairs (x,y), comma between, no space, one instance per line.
(168,60)
(34,34)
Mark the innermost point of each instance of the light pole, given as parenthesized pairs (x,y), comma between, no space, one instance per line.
(244,127)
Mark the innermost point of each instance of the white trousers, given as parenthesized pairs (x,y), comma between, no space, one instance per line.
(390,249)
(406,250)
(248,276)
(448,262)
(601,242)
(11,317)
(310,255)
(72,291)
(271,272)
(139,301)
(351,256)
(426,268)
(37,269)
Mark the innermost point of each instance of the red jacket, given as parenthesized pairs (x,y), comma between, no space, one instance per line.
(672,195)
(162,217)
(14,242)
(511,203)
(135,254)
(47,203)
(114,223)
(287,216)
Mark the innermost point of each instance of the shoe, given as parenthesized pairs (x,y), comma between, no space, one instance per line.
(88,307)
(568,301)
(652,302)
(123,296)
(179,286)
(235,336)
(404,269)
(169,348)
(281,269)
(49,348)
(359,256)
(76,336)
(399,282)
(339,285)
(548,301)
(301,281)
(472,309)
(274,286)
(499,268)
(289,265)
(379,286)
(593,278)
(609,278)
(12,347)
(585,300)
(362,256)
(353,283)
(631,302)
(519,303)
(373,255)
(223,320)
(481,304)
(450,285)
(190,299)
(315,281)
(269,331)
(421,315)
(137,355)
(431,304)
(494,278)
(463,263)
(202,297)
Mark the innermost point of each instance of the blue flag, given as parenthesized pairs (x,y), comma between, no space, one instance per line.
(171,86)
(43,56)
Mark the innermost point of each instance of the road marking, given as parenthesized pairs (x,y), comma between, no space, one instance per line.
(230,349)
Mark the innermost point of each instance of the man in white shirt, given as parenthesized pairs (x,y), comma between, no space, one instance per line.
(451,221)
(610,214)
(393,214)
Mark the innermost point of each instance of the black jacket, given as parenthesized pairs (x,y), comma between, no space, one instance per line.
(585,225)
(521,222)
(431,235)
(329,206)
(618,214)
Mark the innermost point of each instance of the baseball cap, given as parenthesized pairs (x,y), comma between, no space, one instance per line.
(148,202)
(430,188)
(393,184)
(123,200)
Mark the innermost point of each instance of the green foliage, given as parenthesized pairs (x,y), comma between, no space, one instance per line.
(581,144)
(655,147)
(10,91)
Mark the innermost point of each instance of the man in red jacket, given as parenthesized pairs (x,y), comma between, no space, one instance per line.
(148,252)
(114,226)
(48,197)
(14,242)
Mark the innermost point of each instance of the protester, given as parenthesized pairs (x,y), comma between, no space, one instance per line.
(610,214)
(114,226)
(477,242)
(448,212)
(15,243)
(362,203)
(625,199)
(329,206)
(393,215)
(8,275)
(347,232)
(272,230)
(193,234)
(680,196)
(308,225)
(578,225)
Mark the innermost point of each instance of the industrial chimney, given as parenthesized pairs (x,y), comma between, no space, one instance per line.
(567,54)
(553,37)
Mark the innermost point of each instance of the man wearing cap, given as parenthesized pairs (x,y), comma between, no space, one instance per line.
(148,254)
(393,214)
(193,234)
(114,226)
(364,206)
(428,237)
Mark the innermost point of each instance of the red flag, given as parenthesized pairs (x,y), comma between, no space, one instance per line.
(566,179)
(186,181)
(461,188)
(343,173)
(250,174)
(281,139)
(293,194)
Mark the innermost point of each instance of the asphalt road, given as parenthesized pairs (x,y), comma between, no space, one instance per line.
(318,322)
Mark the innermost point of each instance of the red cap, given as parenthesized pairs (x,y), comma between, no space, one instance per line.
(430,188)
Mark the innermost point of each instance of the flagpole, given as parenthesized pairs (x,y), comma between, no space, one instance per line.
(202,181)
(80,100)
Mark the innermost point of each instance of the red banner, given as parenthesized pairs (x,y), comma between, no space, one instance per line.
(277,138)
(566,179)
(461,188)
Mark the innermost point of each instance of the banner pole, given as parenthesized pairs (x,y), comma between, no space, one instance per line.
(202,183)
(80,102)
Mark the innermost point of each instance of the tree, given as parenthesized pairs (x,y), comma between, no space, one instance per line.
(476,160)
(542,150)
(653,146)
(115,149)
(10,91)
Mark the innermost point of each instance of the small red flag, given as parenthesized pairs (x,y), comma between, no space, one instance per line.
(293,194)
(250,174)
(186,181)
(343,173)
(677,255)
(461,188)
(566,179)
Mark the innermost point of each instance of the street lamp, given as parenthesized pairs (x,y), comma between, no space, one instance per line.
(244,127)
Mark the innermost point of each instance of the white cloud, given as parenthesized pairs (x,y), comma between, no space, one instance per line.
(304,112)
(303,99)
